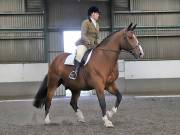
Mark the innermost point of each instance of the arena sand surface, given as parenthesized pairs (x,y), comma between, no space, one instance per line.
(135,116)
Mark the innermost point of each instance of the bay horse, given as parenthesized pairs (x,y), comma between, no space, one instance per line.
(99,73)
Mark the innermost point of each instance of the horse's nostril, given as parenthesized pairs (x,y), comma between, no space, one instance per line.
(141,55)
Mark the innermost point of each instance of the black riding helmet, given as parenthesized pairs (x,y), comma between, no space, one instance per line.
(93,9)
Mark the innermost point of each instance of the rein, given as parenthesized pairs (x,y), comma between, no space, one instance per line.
(114,51)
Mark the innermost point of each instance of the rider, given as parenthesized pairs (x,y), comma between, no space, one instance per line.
(89,38)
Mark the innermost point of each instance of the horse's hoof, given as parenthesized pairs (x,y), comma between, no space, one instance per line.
(47,119)
(80,116)
(109,124)
(82,120)
(47,122)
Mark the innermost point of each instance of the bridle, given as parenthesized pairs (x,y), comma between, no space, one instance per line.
(132,48)
(117,51)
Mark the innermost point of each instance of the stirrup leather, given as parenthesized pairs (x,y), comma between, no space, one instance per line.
(73,75)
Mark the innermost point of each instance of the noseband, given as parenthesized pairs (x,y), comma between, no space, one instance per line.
(131,50)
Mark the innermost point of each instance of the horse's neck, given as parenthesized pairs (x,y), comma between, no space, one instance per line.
(111,50)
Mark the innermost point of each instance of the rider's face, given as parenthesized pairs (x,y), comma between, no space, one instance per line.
(95,15)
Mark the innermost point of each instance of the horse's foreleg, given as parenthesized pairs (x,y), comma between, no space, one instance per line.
(113,90)
(102,102)
(73,103)
(52,85)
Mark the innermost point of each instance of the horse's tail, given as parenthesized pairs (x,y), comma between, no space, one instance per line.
(41,95)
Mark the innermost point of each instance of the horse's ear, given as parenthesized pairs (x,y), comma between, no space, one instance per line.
(129,27)
(133,27)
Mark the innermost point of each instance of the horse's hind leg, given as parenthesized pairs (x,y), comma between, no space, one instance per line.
(52,85)
(73,103)
(114,91)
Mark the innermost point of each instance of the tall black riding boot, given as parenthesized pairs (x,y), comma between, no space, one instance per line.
(73,75)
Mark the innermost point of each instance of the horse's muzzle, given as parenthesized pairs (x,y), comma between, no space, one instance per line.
(141,55)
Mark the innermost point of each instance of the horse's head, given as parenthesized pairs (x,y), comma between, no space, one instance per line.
(131,43)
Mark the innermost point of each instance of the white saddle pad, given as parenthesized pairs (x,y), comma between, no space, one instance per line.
(70,59)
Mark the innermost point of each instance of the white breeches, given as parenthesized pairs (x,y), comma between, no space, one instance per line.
(80,51)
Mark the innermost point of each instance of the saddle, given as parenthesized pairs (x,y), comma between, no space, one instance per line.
(70,59)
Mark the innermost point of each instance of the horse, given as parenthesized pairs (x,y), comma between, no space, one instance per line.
(100,73)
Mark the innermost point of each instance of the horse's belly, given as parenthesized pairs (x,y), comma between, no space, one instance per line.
(76,85)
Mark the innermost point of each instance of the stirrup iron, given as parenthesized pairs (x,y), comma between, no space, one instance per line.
(73,75)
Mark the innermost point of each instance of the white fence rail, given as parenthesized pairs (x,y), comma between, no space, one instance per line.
(127,69)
